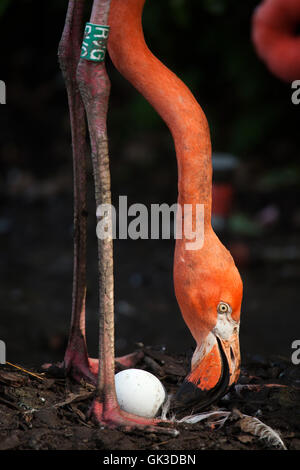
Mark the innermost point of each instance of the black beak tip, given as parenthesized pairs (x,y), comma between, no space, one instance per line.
(189,395)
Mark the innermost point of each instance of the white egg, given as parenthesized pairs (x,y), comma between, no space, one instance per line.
(139,392)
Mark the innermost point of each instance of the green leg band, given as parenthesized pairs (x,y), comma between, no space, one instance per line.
(94,42)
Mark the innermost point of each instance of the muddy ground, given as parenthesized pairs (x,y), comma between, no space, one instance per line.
(46,413)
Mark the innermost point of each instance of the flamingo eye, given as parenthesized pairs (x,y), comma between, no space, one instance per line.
(223,307)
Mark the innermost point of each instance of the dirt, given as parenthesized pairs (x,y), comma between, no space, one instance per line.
(46,413)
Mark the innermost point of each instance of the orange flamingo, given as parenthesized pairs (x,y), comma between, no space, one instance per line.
(274,33)
(207,283)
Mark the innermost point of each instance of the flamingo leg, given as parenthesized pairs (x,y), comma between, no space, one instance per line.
(76,361)
(94,86)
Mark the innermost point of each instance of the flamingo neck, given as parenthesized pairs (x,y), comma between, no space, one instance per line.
(170,97)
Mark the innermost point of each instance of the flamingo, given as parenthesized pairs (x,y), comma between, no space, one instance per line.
(274,33)
(207,284)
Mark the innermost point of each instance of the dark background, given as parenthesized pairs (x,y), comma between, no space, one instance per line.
(250,113)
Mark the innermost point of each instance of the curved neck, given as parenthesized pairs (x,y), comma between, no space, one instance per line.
(169,96)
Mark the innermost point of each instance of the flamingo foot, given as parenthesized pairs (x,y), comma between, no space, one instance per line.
(130,360)
(123,362)
(76,365)
(80,367)
(110,415)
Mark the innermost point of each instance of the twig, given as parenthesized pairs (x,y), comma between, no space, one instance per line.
(73,398)
(170,440)
(26,371)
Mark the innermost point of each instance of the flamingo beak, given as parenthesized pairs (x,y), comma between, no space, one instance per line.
(215,367)
(231,348)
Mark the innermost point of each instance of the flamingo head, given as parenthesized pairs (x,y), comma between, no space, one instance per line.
(209,292)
